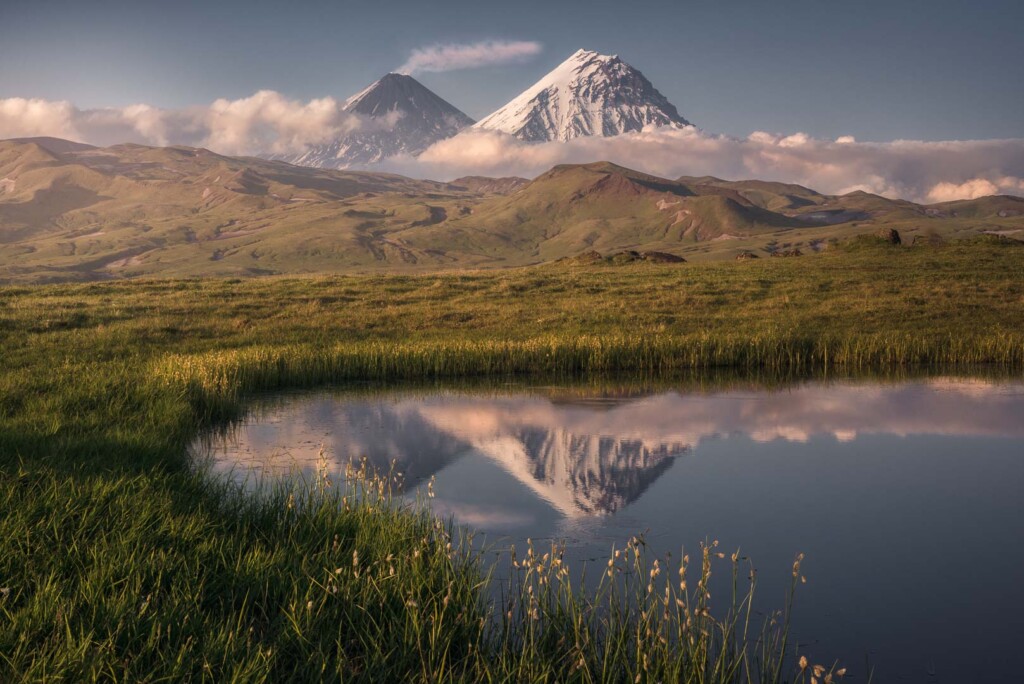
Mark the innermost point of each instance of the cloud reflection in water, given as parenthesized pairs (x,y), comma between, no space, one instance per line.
(586,458)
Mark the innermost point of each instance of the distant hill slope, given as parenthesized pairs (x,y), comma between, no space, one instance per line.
(71,211)
(129,209)
(491,186)
(1001,206)
(603,207)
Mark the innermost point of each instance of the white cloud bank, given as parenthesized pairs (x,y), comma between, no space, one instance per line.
(976,187)
(454,56)
(909,169)
(268,122)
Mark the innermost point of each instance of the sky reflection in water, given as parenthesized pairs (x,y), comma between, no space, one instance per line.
(905,497)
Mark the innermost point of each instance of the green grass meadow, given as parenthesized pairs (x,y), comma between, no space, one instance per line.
(121,562)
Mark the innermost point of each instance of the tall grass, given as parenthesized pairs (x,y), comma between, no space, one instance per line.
(137,582)
(334,580)
(646,621)
(215,381)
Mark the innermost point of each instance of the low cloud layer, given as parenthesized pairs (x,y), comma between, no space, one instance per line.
(454,56)
(915,170)
(266,122)
(269,123)
(976,187)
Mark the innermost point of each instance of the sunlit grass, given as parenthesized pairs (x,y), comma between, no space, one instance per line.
(217,379)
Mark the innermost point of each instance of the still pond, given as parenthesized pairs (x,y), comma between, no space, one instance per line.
(906,497)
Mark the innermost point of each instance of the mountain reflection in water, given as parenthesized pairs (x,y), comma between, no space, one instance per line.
(596,457)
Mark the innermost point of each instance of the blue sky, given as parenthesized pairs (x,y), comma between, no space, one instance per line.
(930,70)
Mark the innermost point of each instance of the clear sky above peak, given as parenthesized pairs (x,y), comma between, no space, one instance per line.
(920,69)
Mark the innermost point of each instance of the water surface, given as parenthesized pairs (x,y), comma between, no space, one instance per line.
(905,497)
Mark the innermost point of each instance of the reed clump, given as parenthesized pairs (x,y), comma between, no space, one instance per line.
(645,621)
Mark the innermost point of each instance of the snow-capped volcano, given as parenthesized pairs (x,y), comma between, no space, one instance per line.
(403,117)
(588,94)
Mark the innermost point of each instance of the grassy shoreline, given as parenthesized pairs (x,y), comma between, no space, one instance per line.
(215,380)
(121,563)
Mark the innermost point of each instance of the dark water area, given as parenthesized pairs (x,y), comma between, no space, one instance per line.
(905,496)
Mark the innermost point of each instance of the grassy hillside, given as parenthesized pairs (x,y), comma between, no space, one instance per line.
(129,210)
(574,208)
(75,212)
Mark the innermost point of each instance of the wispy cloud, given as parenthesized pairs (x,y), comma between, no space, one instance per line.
(492,518)
(453,56)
